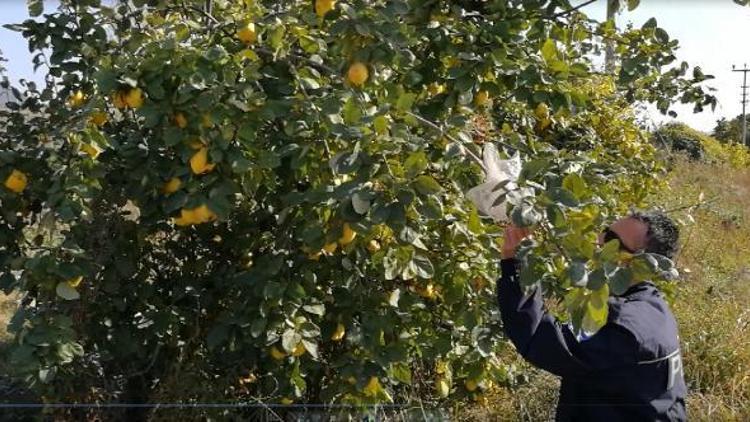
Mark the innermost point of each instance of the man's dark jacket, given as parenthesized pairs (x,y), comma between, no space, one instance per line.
(630,370)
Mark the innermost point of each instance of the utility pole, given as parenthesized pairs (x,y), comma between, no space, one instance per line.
(744,71)
(609,52)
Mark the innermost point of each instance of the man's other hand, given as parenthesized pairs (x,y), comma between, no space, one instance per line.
(513,237)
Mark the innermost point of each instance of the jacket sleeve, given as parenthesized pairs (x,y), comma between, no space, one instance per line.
(547,344)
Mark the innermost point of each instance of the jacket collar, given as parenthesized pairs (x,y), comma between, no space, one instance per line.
(640,288)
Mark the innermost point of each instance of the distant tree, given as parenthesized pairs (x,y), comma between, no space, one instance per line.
(4,87)
(729,130)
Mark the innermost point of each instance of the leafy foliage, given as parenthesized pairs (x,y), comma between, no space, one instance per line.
(228,187)
(729,131)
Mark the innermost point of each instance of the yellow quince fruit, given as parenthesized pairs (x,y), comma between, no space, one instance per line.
(357,74)
(180,120)
(249,379)
(277,354)
(172,186)
(98,118)
(373,246)
(442,387)
(76,99)
(542,111)
(118,100)
(186,218)
(198,215)
(299,350)
(203,214)
(199,161)
(347,235)
(247,33)
(16,181)
(435,88)
(324,6)
(206,121)
(482,99)
(75,281)
(373,387)
(429,291)
(339,333)
(92,150)
(133,98)
(330,247)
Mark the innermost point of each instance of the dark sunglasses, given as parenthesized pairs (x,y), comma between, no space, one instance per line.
(609,235)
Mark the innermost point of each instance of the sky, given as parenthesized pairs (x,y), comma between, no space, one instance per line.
(713,34)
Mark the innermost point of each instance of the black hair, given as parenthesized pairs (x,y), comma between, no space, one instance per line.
(663,234)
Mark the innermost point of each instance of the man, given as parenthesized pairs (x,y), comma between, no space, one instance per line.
(631,369)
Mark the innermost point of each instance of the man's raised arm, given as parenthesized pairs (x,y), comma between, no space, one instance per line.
(541,339)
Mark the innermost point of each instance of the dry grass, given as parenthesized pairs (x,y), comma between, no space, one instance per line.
(7,308)
(8,304)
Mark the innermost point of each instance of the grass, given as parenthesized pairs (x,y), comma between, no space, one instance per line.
(8,306)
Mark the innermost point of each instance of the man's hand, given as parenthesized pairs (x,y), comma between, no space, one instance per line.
(513,237)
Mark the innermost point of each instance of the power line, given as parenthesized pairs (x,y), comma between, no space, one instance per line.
(744,87)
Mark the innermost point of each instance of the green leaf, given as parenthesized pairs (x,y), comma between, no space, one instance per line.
(416,163)
(633,4)
(361,202)
(172,136)
(215,53)
(290,339)
(381,124)
(66,292)
(351,112)
(36,7)
(106,79)
(621,280)
(597,279)
(525,215)
(268,159)
(217,335)
(394,297)
(577,273)
(316,309)
(401,372)
(596,310)
(258,327)
(474,224)
(7,282)
(531,169)
(392,264)
(405,101)
(549,51)
(555,216)
(650,24)
(642,268)
(311,347)
(575,184)
(563,196)
(424,268)
(426,185)
(610,250)
(47,375)
(661,35)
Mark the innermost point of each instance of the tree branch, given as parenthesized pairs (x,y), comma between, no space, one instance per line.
(567,12)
